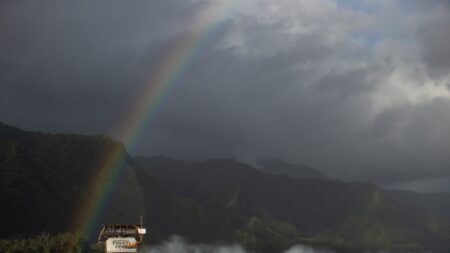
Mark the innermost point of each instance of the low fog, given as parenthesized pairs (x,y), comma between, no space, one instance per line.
(179,245)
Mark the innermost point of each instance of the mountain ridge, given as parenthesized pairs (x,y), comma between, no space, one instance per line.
(300,171)
(232,185)
(216,200)
(50,173)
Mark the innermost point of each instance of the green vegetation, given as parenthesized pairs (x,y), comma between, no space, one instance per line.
(269,213)
(44,243)
(267,234)
(44,175)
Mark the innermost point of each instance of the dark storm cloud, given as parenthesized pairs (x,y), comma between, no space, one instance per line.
(288,102)
(434,38)
(70,66)
(302,81)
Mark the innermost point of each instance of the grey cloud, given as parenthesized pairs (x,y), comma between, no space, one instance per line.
(434,38)
(268,105)
(81,62)
(291,86)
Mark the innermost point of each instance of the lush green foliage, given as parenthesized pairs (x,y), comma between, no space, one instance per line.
(44,175)
(269,213)
(44,243)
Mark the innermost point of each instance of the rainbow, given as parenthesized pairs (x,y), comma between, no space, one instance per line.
(108,169)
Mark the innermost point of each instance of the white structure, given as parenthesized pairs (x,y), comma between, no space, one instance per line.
(121,245)
(123,238)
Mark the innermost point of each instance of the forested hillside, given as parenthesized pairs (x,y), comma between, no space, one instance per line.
(263,211)
(44,177)
(222,200)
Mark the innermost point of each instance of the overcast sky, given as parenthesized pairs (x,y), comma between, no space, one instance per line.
(356,88)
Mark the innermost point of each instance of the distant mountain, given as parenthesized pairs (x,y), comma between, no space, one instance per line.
(280,167)
(265,211)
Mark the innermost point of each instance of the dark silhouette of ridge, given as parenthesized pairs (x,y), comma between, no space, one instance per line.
(280,167)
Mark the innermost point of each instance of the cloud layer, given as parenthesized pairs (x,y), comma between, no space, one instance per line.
(358,89)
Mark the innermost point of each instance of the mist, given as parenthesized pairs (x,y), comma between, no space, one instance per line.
(179,245)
